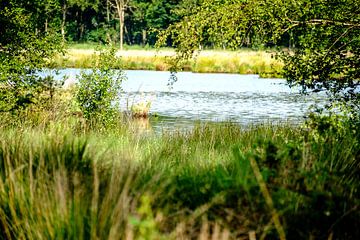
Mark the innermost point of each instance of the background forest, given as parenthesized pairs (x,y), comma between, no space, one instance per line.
(100,21)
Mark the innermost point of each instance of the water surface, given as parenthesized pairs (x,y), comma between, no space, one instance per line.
(245,99)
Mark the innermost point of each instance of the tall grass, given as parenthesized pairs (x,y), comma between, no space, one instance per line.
(242,62)
(57,182)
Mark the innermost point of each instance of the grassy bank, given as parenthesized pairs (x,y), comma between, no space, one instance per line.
(61,178)
(209,61)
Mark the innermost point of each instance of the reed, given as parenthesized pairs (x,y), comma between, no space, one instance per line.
(241,62)
(57,181)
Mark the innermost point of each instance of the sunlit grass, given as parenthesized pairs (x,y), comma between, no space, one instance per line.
(242,62)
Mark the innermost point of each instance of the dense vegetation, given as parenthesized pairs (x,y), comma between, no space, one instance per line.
(72,166)
(103,21)
(140,21)
(61,178)
(324,33)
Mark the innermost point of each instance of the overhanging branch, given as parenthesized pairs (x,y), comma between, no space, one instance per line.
(327,22)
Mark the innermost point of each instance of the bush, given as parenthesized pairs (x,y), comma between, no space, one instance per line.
(99,89)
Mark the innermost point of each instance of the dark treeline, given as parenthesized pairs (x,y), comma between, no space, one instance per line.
(101,20)
(131,22)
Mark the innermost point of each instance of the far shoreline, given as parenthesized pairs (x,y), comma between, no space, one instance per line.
(246,61)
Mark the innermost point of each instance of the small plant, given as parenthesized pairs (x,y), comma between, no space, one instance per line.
(141,109)
(99,89)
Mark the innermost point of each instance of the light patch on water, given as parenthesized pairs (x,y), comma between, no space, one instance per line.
(245,99)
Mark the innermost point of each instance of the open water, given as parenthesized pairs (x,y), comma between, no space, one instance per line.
(244,99)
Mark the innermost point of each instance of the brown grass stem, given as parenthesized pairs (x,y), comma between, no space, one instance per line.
(268,199)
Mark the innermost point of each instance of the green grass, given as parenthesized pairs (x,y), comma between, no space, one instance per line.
(84,46)
(61,178)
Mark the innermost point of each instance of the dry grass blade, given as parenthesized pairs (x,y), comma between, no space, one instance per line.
(268,198)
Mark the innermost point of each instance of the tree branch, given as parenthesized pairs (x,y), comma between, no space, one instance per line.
(326,22)
(338,39)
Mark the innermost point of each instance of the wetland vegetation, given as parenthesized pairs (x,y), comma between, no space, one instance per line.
(64,178)
(245,61)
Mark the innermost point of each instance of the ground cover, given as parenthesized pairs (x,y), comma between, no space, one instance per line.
(65,178)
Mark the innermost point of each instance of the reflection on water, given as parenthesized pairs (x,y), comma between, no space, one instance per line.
(245,99)
(140,125)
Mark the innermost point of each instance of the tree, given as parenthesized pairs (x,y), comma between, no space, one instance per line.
(99,90)
(120,7)
(80,6)
(51,7)
(327,56)
(226,24)
(149,17)
(327,53)
(25,48)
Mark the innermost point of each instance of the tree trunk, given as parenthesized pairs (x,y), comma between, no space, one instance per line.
(107,12)
(144,37)
(81,27)
(121,13)
(120,6)
(82,30)
(64,10)
(108,36)
(122,30)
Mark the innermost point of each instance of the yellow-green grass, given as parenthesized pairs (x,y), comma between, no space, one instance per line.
(93,45)
(208,61)
(242,62)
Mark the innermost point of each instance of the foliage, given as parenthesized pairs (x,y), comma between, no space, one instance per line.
(149,17)
(326,36)
(322,124)
(98,21)
(327,56)
(26,45)
(84,4)
(224,24)
(99,89)
(145,225)
(59,180)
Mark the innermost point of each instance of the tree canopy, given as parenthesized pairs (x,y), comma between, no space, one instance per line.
(28,40)
(137,21)
(325,33)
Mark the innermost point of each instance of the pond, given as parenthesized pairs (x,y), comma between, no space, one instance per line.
(244,99)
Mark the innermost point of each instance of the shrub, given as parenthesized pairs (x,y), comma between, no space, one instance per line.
(99,89)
